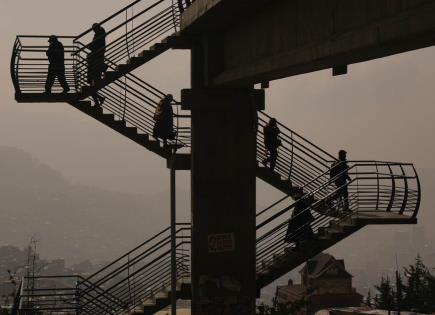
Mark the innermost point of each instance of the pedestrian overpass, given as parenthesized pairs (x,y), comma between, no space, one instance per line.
(219,123)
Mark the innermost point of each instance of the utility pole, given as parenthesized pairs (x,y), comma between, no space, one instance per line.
(173,240)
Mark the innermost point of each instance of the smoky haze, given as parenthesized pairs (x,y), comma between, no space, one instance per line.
(383,109)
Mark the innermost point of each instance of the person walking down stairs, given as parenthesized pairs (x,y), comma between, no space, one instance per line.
(96,64)
(164,120)
(56,67)
(271,142)
(299,226)
(340,174)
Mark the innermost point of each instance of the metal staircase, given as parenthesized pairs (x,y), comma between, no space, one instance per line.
(139,281)
(135,35)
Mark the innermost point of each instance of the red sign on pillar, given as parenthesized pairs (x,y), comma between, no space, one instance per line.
(220,243)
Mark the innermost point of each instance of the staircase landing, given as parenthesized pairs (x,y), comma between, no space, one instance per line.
(46,98)
(380,217)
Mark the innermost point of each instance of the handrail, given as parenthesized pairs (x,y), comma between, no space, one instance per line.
(295,133)
(132,275)
(108,18)
(15,64)
(142,34)
(122,24)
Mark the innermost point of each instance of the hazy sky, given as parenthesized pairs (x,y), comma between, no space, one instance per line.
(382,109)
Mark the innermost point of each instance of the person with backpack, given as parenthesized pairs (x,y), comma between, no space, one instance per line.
(164,120)
(299,228)
(339,173)
(96,63)
(271,142)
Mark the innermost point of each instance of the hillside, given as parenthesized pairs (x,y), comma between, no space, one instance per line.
(74,222)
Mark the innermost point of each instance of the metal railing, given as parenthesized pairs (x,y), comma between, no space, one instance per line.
(134,101)
(132,29)
(299,160)
(136,276)
(378,190)
(29,64)
(130,98)
(120,286)
(129,31)
(56,294)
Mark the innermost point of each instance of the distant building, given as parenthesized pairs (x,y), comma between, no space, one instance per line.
(361,311)
(325,283)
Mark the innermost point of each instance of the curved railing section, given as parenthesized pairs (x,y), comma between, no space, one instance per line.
(130,98)
(130,30)
(15,64)
(377,190)
(29,64)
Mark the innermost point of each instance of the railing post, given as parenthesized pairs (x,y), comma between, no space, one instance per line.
(290,173)
(405,193)
(125,98)
(393,189)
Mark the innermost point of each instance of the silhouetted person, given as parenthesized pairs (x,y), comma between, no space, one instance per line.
(96,64)
(271,142)
(299,227)
(56,67)
(339,171)
(164,120)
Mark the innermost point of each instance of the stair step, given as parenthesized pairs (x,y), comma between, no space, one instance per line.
(87,89)
(154,144)
(131,131)
(159,46)
(145,53)
(81,103)
(122,67)
(134,60)
(323,238)
(110,75)
(118,124)
(177,41)
(143,137)
(108,117)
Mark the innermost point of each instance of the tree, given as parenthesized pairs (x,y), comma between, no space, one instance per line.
(414,293)
(369,299)
(399,291)
(415,289)
(430,292)
(385,299)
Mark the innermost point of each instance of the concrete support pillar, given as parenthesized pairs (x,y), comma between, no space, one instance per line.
(224,124)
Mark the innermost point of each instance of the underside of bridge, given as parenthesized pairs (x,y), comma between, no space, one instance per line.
(262,40)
